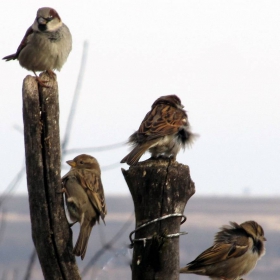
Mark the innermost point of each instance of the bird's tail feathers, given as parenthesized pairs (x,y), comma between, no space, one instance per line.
(133,157)
(184,270)
(10,57)
(189,269)
(82,241)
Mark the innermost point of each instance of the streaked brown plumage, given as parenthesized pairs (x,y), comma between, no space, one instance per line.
(164,131)
(45,45)
(84,197)
(235,252)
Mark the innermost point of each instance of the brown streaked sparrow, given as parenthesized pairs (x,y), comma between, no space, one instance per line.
(164,131)
(46,44)
(235,252)
(84,197)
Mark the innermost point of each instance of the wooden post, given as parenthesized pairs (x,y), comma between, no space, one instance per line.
(158,188)
(51,234)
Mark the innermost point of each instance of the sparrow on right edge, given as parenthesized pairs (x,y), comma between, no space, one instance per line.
(235,252)
(164,131)
(84,197)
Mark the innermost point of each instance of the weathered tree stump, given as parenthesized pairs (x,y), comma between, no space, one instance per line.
(158,188)
(51,234)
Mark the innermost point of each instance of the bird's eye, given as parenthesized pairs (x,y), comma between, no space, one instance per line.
(81,162)
(49,18)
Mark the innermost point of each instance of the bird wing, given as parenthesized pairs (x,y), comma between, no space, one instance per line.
(64,178)
(138,150)
(91,182)
(22,45)
(222,251)
(161,121)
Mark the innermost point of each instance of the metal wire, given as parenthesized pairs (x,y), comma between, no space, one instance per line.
(144,240)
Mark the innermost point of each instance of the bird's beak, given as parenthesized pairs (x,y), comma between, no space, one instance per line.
(72,163)
(264,239)
(41,20)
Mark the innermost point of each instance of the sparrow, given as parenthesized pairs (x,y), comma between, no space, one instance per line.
(84,197)
(45,45)
(235,252)
(164,131)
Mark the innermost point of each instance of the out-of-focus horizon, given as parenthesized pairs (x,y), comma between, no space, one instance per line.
(221,58)
(204,218)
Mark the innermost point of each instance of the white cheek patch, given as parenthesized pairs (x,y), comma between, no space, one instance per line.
(53,25)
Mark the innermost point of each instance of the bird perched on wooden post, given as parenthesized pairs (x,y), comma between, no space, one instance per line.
(46,44)
(164,131)
(84,197)
(235,252)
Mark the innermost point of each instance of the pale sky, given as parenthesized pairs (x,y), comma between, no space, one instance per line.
(220,57)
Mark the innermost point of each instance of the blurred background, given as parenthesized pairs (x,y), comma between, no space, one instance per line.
(221,58)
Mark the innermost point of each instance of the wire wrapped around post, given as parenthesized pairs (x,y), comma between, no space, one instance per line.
(160,190)
(155,221)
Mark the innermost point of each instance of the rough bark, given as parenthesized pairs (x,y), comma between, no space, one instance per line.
(158,188)
(51,234)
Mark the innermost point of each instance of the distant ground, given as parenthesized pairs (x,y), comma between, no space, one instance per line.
(205,216)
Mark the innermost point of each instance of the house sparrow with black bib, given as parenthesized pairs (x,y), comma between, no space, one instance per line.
(46,44)
(235,252)
(164,131)
(84,197)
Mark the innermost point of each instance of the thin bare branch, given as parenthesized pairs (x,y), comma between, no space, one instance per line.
(11,187)
(3,223)
(75,98)
(30,266)
(108,245)
(18,128)
(95,149)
